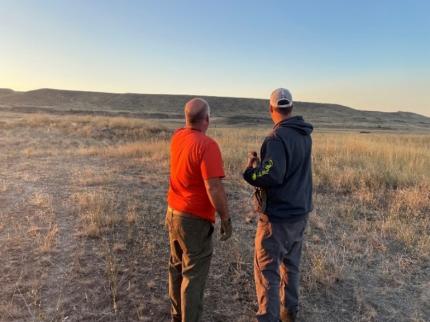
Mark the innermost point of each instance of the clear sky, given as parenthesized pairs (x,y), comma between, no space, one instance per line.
(367,54)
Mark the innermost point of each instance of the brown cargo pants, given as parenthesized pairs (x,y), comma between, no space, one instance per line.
(190,240)
(278,248)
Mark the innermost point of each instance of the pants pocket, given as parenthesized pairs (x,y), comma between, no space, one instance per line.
(211,230)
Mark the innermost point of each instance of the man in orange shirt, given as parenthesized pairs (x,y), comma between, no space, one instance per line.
(195,193)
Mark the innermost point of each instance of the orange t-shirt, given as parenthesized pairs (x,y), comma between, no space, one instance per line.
(194,157)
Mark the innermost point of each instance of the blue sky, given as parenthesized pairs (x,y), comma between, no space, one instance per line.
(365,54)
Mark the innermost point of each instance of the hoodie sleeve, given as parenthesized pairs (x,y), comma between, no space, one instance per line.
(271,171)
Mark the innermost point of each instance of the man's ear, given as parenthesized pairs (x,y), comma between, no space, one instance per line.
(271,109)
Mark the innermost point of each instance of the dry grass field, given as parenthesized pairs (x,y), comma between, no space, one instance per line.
(82,236)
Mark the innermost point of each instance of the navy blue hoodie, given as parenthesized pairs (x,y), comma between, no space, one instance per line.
(285,172)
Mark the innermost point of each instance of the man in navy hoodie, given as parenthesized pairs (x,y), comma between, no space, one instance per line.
(284,179)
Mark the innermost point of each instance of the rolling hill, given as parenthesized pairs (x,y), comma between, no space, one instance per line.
(226,110)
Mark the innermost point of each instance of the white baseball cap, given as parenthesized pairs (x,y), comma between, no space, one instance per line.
(281,98)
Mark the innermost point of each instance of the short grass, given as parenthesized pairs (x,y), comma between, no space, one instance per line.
(82,232)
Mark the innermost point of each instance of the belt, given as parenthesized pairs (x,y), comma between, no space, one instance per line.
(180,213)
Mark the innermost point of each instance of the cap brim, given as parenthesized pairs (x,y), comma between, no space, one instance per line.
(284,106)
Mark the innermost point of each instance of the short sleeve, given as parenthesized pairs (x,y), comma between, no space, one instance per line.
(212,165)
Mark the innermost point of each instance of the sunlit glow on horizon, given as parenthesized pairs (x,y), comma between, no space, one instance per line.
(324,53)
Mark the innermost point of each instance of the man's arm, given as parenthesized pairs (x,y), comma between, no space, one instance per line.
(217,196)
(271,171)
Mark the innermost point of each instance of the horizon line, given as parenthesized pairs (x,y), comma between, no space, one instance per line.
(203,95)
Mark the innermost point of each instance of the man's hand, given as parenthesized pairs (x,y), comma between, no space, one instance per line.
(218,198)
(226,229)
(253,160)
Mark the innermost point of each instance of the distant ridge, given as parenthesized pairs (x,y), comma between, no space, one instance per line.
(6,91)
(227,110)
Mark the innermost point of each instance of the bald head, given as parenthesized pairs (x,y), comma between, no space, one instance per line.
(196,111)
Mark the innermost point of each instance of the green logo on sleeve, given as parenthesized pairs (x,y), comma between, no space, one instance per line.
(266,169)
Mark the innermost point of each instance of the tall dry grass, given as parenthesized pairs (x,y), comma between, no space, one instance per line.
(370,190)
(350,162)
(96,211)
(100,127)
(370,225)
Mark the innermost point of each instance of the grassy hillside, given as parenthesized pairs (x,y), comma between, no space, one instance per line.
(226,110)
(83,237)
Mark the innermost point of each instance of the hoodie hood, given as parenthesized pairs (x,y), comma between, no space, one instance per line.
(297,123)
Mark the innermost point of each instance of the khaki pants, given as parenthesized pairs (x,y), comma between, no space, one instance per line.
(190,240)
(278,248)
